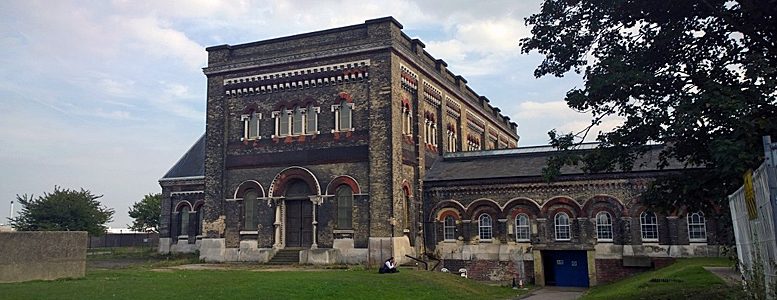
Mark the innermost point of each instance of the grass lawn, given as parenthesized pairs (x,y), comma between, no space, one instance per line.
(145,283)
(685,279)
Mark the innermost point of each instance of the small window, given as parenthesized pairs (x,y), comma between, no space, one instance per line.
(282,117)
(343,116)
(603,226)
(249,210)
(449,228)
(452,146)
(297,120)
(311,119)
(522,228)
(344,207)
(407,120)
(697,229)
(251,125)
(184,216)
(485,227)
(649,226)
(562,227)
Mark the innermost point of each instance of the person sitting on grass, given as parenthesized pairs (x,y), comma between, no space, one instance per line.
(390,266)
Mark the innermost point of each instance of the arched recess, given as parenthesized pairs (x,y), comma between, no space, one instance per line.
(248,185)
(604,202)
(280,182)
(181,205)
(343,96)
(570,203)
(331,188)
(198,214)
(446,205)
(250,108)
(480,206)
(521,205)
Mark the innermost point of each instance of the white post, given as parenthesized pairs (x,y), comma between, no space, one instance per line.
(11,209)
(277,225)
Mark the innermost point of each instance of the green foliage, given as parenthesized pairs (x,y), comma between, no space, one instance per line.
(62,210)
(146,213)
(697,76)
(134,283)
(685,279)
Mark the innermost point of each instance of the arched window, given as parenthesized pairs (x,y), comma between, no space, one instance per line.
(603,226)
(649,226)
(344,196)
(449,228)
(184,216)
(311,119)
(297,121)
(562,226)
(249,210)
(343,116)
(282,122)
(485,227)
(251,125)
(406,195)
(198,218)
(697,229)
(522,228)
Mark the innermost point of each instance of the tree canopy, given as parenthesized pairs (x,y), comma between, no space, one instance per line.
(146,213)
(698,76)
(62,210)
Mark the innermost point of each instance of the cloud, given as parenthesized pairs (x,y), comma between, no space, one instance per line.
(537,118)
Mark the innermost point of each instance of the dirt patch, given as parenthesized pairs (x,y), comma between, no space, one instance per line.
(115,263)
(729,275)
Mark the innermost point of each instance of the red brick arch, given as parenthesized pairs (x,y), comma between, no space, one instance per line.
(572,205)
(248,185)
(280,182)
(343,180)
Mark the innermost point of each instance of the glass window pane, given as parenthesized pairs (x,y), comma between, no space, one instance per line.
(449,228)
(345,116)
(253,126)
(297,121)
(184,221)
(283,124)
(312,120)
(344,207)
(249,209)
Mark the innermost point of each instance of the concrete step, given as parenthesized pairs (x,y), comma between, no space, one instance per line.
(285,257)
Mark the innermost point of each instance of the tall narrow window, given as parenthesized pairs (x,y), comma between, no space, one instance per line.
(697,229)
(451,134)
(562,227)
(649,226)
(407,120)
(343,116)
(407,208)
(184,215)
(311,119)
(282,122)
(198,229)
(449,228)
(603,226)
(297,120)
(251,125)
(344,207)
(485,228)
(522,228)
(249,210)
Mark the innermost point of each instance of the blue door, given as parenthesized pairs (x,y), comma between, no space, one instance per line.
(566,268)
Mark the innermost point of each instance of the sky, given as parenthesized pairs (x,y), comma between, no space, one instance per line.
(107,95)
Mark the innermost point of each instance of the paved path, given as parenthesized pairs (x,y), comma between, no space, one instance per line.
(728,274)
(555,293)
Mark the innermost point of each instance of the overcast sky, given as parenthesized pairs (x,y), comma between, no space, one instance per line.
(107,95)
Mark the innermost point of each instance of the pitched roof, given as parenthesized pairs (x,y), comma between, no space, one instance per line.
(520,162)
(191,164)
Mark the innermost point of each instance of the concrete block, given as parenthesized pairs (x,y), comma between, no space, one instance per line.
(42,255)
(231,254)
(164,245)
(353,256)
(212,250)
(343,244)
(319,256)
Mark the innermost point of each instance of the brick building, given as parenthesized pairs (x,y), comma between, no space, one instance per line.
(353,144)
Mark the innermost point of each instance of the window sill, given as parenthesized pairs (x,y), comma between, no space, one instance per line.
(650,240)
(523,241)
(342,231)
(698,241)
(449,241)
(182,237)
(563,240)
(249,232)
(604,240)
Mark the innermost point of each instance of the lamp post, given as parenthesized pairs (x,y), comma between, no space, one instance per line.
(11,209)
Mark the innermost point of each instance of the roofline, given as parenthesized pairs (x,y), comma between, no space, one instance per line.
(181,158)
(181,178)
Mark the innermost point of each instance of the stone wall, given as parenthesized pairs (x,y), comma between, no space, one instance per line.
(609,270)
(42,255)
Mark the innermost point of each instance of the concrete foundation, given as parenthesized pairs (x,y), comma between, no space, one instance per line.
(212,250)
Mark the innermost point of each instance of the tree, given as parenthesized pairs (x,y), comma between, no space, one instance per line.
(146,213)
(62,210)
(697,76)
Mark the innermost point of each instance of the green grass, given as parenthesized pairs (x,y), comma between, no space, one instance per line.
(685,279)
(144,283)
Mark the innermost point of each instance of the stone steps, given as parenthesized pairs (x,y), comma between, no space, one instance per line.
(285,257)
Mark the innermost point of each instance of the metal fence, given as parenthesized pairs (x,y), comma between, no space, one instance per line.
(753,215)
(115,240)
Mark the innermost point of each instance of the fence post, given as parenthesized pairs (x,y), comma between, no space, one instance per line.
(770,156)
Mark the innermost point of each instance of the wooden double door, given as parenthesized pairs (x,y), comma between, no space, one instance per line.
(299,223)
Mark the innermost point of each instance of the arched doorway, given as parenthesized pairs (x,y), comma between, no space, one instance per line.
(299,215)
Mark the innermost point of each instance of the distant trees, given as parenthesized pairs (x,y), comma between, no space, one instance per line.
(146,213)
(62,210)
